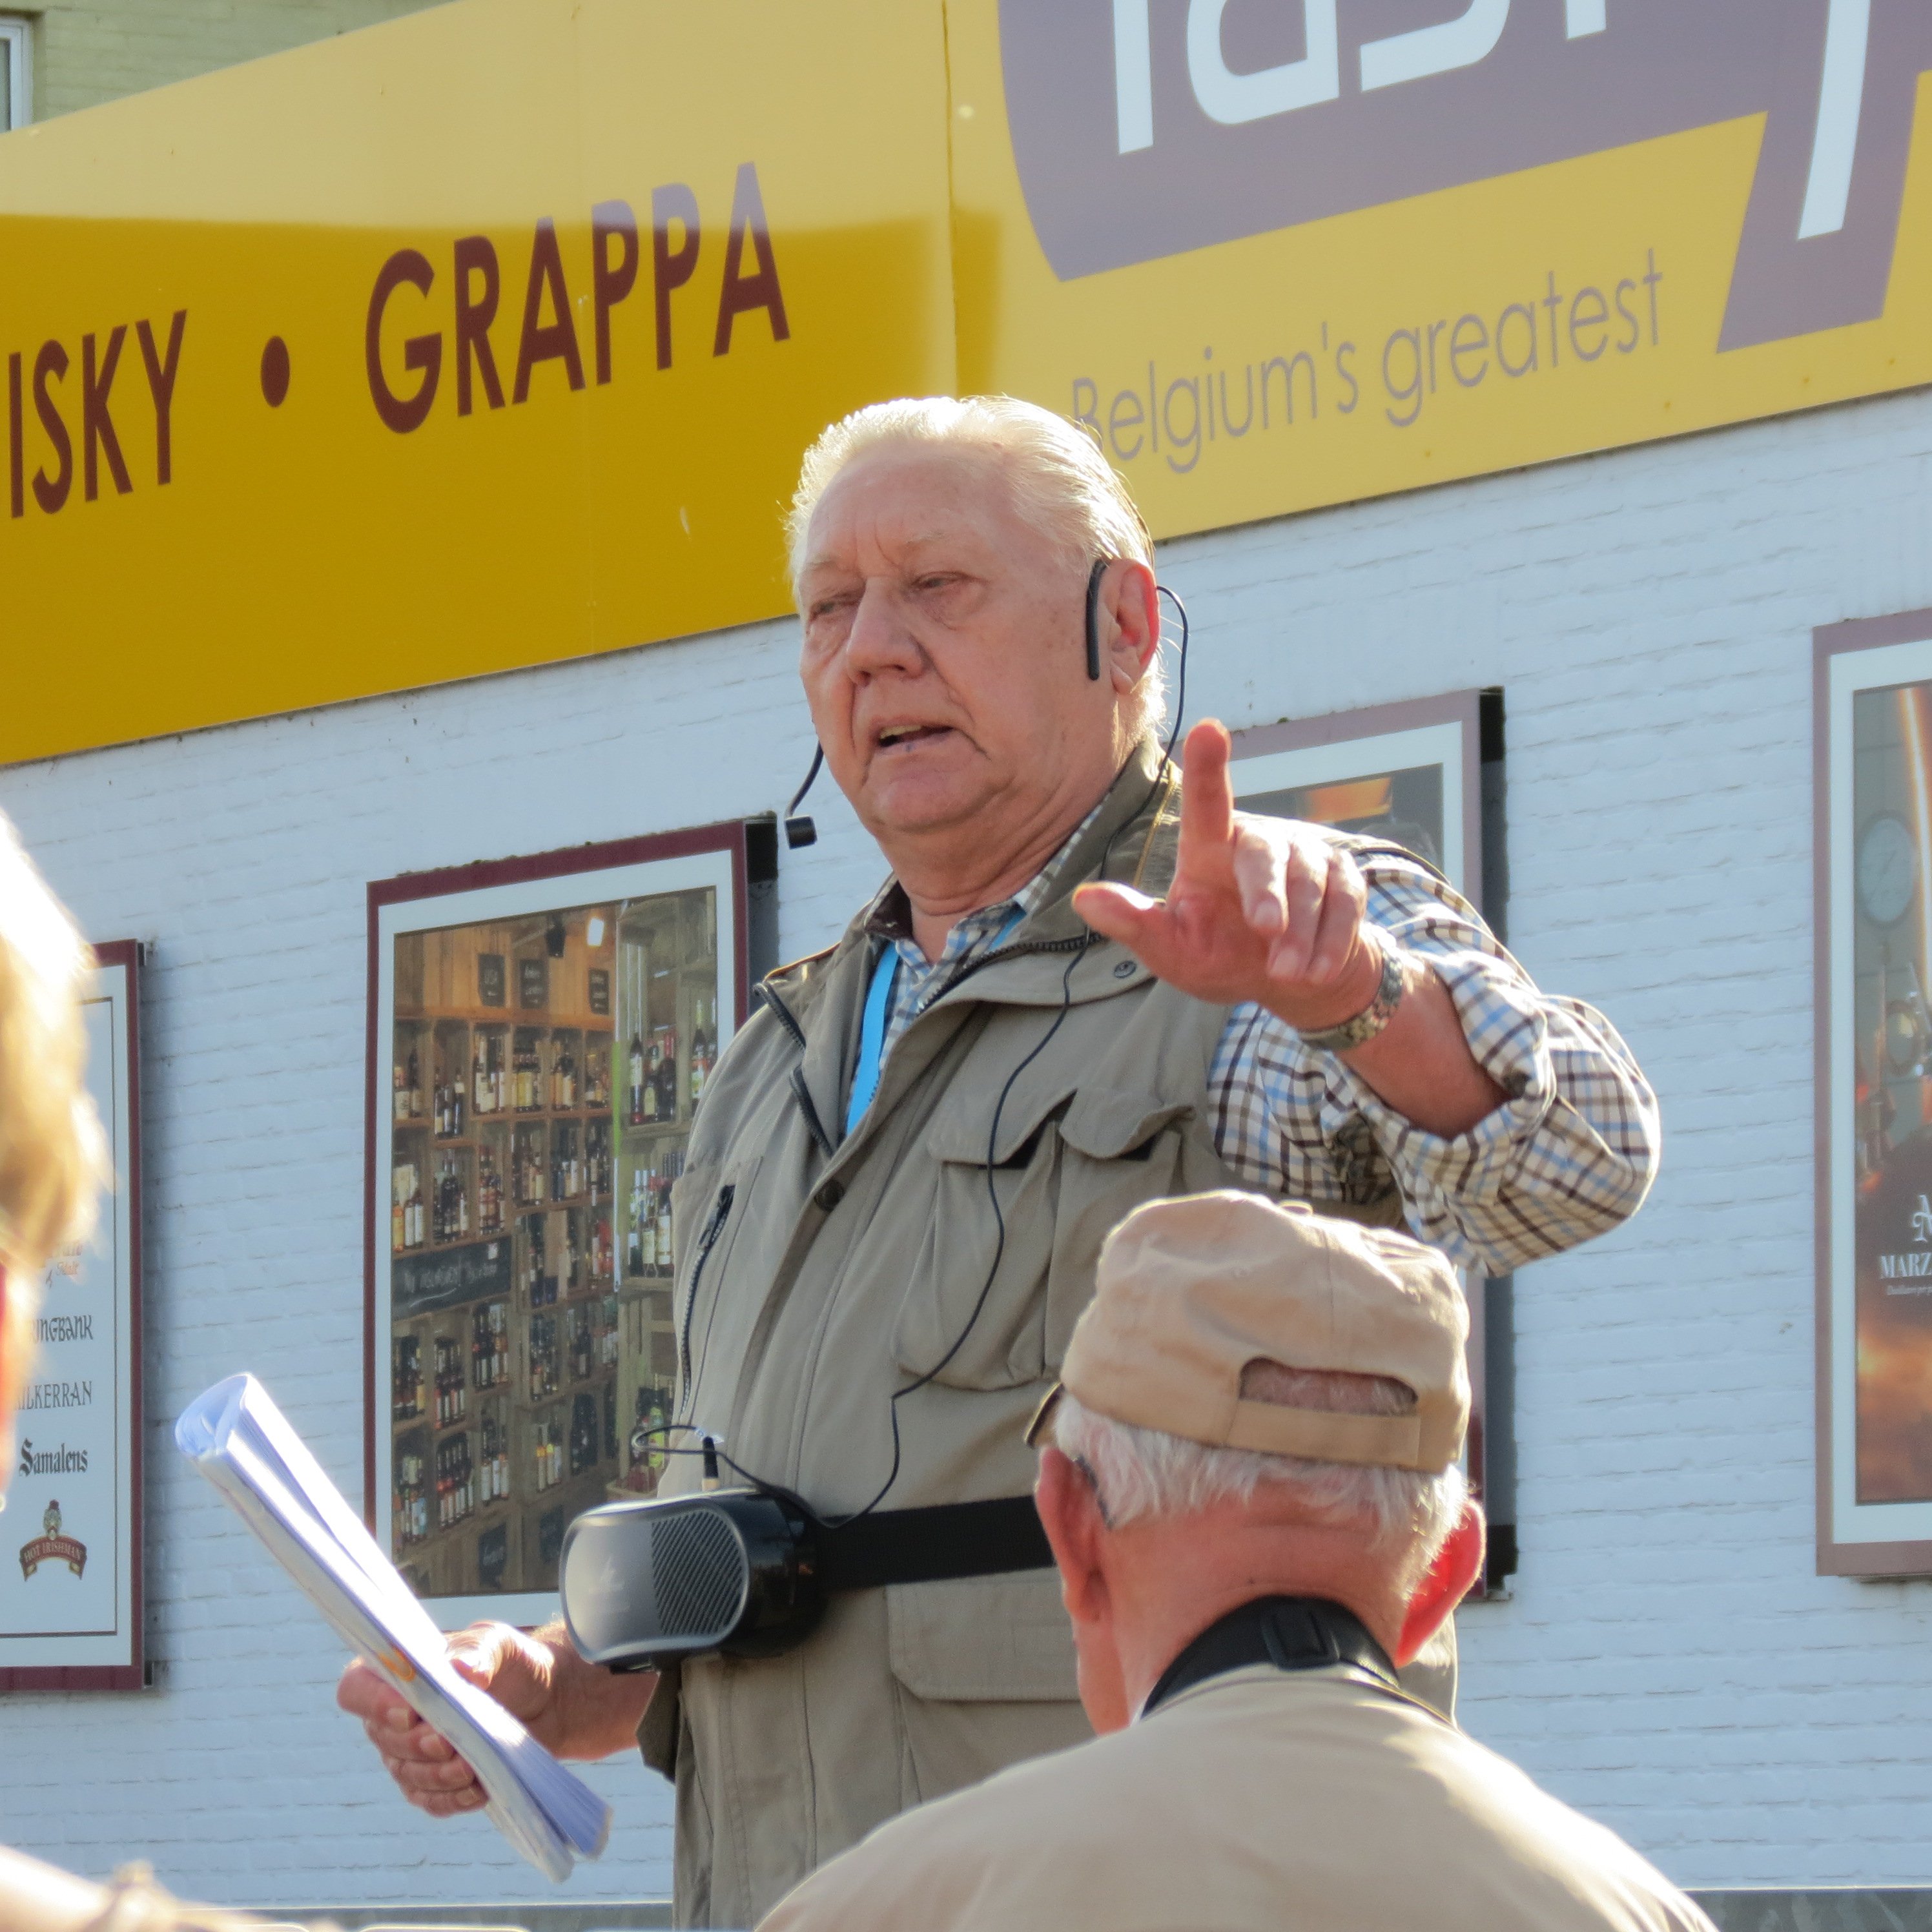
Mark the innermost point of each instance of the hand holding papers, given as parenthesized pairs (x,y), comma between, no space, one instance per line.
(241,1442)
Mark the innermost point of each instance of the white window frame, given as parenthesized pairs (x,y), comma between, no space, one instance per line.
(16,50)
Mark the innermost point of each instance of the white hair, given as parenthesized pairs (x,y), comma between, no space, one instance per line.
(1144,1472)
(1060,483)
(52,1155)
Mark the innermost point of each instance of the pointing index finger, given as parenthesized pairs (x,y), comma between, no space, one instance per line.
(1206,797)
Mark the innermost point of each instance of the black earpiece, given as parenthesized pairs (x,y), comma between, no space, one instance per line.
(800,829)
(1093,578)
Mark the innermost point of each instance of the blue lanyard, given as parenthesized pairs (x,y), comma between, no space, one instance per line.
(872,1037)
(872,1031)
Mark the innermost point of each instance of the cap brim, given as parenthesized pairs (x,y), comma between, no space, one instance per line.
(1042,1416)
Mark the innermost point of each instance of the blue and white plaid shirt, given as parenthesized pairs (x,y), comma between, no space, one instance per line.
(1569,1154)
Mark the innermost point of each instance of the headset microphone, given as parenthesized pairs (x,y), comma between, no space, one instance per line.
(800,829)
(1094,580)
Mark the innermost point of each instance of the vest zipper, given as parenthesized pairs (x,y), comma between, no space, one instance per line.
(706,1242)
(802,1094)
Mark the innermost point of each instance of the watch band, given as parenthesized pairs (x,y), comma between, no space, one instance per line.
(1375,1015)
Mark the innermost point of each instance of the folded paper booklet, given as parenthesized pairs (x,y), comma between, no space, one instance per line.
(242,1443)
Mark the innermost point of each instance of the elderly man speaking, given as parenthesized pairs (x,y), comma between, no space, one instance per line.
(1082,987)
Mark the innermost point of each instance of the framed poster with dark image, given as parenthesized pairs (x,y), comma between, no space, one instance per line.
(521,1165)
(1872,816)
(1417,774)
(70,1580)
(1409,772)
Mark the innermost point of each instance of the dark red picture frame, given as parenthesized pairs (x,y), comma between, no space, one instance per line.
(731,836)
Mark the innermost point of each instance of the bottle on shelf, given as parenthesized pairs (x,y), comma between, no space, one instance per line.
(486,1067)
(408,1220)
(647,1218)
(597,1159)
(583,1433)
(651,1417)
(544,1365)
(449,1103)
(406,1379)
(529,1180)
(547,1455)
(409,1501)
(634,1111)
(633,1235)
(700,1050)
(539,1283)
(489,1474)
(489,1193)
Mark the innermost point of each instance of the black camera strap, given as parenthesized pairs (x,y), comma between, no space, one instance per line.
(1290,1632)
(939,1544)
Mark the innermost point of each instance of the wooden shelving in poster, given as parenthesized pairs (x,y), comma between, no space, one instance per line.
(544,1069)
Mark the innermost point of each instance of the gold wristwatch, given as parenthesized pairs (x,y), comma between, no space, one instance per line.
(1376,1015)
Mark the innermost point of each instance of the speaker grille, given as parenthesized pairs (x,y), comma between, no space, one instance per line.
(697,1574)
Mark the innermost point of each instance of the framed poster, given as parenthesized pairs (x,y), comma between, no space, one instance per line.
(1872,820)
(1409,773)
(1426,775)
(70,1597)
(540,1030)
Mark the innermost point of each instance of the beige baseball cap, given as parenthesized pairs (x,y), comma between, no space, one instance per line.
(1191,1291)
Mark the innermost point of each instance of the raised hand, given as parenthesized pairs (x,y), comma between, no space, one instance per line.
(1259,911)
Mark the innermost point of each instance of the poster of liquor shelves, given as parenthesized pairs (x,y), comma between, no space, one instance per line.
(544,1069)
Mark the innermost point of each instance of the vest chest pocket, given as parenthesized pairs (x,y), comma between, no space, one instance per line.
(711,1203)
(983,1305)
(1119,1149)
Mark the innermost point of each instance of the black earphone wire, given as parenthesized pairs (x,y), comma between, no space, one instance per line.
(708,1444)
(1059,1019)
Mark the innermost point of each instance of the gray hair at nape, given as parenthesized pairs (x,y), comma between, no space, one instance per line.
(1061,481)
(1144,1472)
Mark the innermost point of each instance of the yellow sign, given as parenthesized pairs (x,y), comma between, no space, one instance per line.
(486,338)
(1274,262)
(493,336)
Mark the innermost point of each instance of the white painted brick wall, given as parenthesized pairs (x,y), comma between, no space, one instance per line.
(1669,1661)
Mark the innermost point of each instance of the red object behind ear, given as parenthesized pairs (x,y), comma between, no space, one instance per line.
(1445,1583)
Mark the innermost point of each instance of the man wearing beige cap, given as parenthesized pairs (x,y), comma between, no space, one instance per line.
(1248,1473)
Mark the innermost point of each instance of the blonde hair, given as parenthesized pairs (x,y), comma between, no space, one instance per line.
(1060,483)
(52,1154)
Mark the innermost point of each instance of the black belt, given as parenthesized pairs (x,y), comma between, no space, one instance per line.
(1291,1633)
(931,1546)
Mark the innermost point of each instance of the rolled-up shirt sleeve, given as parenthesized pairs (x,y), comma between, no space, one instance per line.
(1569,1154)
